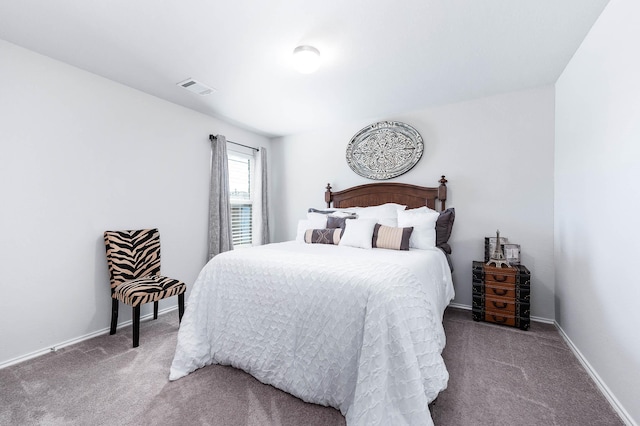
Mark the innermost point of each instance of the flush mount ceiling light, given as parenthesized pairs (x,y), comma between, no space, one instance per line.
(306,59)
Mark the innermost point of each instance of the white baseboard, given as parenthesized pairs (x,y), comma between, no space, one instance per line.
(460,306)
(624,415)
(532,318)
(69,342)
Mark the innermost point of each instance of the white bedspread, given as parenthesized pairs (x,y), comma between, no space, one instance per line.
(359,330)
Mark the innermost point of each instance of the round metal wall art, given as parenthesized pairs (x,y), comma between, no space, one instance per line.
(384,150)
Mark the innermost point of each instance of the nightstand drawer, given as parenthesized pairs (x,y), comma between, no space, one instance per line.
(521,322)
(498,318)
(500,290)
(518,275)
(499,275)
(500,306)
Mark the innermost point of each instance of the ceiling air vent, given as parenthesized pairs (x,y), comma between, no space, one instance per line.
(196,87)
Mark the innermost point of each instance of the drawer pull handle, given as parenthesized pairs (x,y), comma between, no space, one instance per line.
(502,278)
(499,305)
(499,291)
(499,320)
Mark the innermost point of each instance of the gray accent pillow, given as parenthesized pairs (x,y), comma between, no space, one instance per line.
(338,222)
(444,225)
(323,236)
(328,211)
(333,221)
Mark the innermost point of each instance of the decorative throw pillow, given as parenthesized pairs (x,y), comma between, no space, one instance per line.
(423,222)
(327,211)
(335,218)
(444,225)
(338,221)
(323,236)
(445,248)
(391,238)
(358,233)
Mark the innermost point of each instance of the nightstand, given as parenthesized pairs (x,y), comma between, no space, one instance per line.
(501,295)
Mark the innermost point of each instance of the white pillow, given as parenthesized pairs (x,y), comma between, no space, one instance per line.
(317,220)
(314,221)
(423,221)
(358,233)
(303,225)
(385,214)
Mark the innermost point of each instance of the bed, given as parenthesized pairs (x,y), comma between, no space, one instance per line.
(337,325)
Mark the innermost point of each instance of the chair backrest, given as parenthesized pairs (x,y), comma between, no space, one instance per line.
(132,254)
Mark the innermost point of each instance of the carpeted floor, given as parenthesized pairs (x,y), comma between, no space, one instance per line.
(504,376)
(498,376)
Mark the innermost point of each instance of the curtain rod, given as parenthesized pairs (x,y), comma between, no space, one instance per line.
(213,137)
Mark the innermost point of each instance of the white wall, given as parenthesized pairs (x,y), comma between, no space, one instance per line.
(596,200)
(497,154)
(80,154)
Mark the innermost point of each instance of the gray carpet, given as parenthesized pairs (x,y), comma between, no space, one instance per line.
(504,376)
(499,376)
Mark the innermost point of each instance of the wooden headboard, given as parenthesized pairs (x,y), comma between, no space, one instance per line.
(373,194)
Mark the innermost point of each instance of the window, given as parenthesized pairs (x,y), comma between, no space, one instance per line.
(241,198)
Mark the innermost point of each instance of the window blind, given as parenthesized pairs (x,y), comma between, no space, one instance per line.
(241,199)
(241,224)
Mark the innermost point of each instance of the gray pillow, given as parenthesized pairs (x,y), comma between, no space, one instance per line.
(328,211)
(444,225)
(323,236)
(338,222)
(333,221)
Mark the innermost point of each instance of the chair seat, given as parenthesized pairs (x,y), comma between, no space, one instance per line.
(148,289)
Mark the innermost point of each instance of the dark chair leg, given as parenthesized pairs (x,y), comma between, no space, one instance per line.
(114,316)
(155,310)
(136,326)
(180,306)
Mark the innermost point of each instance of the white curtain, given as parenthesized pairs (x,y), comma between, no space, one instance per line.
(260,200)
(220,239)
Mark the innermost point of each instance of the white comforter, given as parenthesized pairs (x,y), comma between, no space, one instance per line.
(359,330)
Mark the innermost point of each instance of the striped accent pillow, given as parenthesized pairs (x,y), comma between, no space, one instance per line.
(388,237)
(323,236)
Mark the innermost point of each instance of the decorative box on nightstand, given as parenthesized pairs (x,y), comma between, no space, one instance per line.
(501,295)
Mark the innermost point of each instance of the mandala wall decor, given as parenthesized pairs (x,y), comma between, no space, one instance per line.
(384,150)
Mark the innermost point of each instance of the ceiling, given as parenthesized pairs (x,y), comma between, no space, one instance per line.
(380,58)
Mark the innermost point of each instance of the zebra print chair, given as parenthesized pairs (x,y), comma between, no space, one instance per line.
(133,258)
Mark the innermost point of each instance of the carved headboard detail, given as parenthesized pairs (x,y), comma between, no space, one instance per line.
(374,194)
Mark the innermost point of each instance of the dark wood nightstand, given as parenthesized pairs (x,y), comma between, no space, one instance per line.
(501,295)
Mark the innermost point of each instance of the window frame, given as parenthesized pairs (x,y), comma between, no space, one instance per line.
(236,203)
